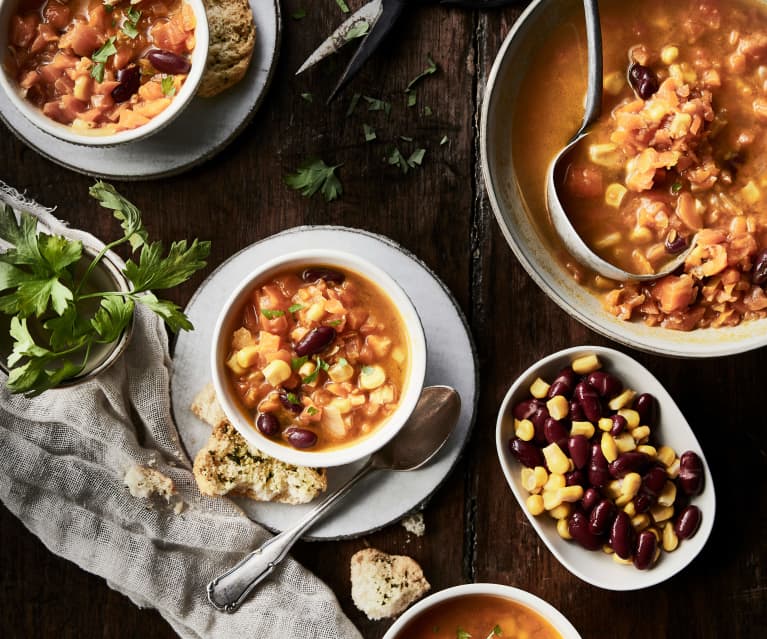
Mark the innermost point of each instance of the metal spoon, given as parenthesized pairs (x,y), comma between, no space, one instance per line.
(564,227)
(424,434)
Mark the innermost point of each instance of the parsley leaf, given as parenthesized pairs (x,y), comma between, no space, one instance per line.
(298,14)
(313,176)
(416,158)
(343,6)
(125,211)
(429,70)
(322,364)
(100,56)
(443,141)
(374,104)
(112,318)
(156,272)
(311,378)
(427,111)
(292,398)
(370,132)
(295,307)
(358,30)
(170,312)
(129,28)
(462,634)
(353,104)
(308,97)
(497,632)
(412,99)
(334,322)
(271,314)
(168,86)
(676,187)
(311,410)
(298,362)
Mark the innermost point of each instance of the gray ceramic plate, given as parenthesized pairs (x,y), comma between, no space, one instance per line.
(383,497)
(204,128)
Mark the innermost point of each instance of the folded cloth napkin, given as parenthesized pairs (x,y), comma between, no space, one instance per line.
(65,457)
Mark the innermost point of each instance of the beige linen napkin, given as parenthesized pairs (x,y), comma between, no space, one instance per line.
(65,456)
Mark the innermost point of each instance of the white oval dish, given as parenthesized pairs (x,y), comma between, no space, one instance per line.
(95,139)
(543,608)
(598,568)
(363,447)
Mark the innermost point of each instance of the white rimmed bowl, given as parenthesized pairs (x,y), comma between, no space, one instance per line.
(229,318)
(535,251)
(544,609)
(598,568)
(94,138)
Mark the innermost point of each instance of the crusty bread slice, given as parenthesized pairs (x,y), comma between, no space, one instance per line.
(227,464)
(385,585)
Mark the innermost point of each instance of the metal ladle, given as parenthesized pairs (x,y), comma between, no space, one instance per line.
(564,227)
(422,437)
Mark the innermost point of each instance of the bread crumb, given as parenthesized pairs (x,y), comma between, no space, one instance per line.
(414,524)
(385,585)
(144,482)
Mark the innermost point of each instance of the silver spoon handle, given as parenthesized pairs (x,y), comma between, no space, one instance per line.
(230,589)
(594,40)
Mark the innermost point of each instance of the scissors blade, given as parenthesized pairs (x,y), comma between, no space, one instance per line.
(391,9)
(368,14)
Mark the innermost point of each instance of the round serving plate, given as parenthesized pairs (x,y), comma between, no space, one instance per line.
(383,497)
(204,128)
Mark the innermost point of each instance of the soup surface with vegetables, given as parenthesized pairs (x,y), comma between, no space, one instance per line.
(319,358)
(679,151)
(480,616)
(101,66)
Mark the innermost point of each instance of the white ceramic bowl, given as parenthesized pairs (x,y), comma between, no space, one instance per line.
(546,610)
(228,321)
(94,138)
(598,568)
(534,250)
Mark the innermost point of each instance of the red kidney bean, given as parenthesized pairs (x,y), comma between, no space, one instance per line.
(622,535)
(591,498)
(643,502)
(525,408)
(674,243)
(539,418)
(605,384)
(268,424)
(526,453)
(578,446)
(647,407)
(578,525)
(690,473)
(576,412)
(654,480)
(601,518)
(168,62)
(619,424)
(759,270)
(301,437)
(130,81)
(315,341)
(643,80)
(599,475)
(554,431)
(647,544)
(319,273)
(563,383)
(630,462)
(687,522)
(285,400)
(588,398)
(574,478)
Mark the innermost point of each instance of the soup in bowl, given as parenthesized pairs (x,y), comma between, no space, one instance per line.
(319,358)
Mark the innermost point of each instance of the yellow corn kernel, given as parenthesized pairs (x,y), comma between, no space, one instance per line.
(556,460)
(343,404)
(631,416)
(277,372)
(586,364)
(607,549)
(539,388)
(680,125)
(640,522)
(611,239)
(614,82)
(357,399)
(648,450)
(571,493)
(604,154)
(673,470)
(661,513)
(625,442)
(561,512)
(307,368)
(554,482)
(604,283)
(248,356)
(614,194)
(541,476)
(630,509)
(622,400)
(234,366)
(632,482)
(371,377)
(605,424)
(382,395)
(82,88)
(563,529)
(609,449)
(751,193)
(341,371)
(640,433)
(582,428)
(640,235)
(524,429)
(533,479)
(316,311)
(670,540)
(558,407)
(534,504)
(669,54)
(398,355)
(613,489)
(618,560)
(667,495)
(551,499)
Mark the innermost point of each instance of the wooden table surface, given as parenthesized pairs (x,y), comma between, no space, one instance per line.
(474,529)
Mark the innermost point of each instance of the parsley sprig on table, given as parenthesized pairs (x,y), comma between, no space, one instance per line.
(57,316)
(313,176)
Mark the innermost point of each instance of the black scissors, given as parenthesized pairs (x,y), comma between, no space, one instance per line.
(374,21)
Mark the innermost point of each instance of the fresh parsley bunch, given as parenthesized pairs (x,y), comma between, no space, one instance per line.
(56,319)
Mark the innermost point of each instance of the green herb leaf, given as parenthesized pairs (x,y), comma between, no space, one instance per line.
(311,410)
(271,314)
(443,141)
(298,362)
(405,138)
(170,312)
(374,104)
(334,322)
(298,14)
(370,132)
(416,158)
(22,234)
(97,72)
(497,630)
(396,158)
(70,330)
(313,176)
(322,364)
(112,318)
(676,187)
(342,361)
(125,211)
(102,53)
(429,70)
(412,99)
(129,28)
(156,272)
(168,86)
(357,30)
(353,104)
(427,111)
(292,398)
(295,307)
(310,379)
(343,6)
(462,634)
(308,97)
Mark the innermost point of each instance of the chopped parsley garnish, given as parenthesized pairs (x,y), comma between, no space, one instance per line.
(396,158)
(313,176)
(353,104)
(416,158)
(427,111)
(334,322)
(311,378)
(370,132)
(298,362)
(462,634)
(299,14)
(343,6)
(292,398)
(311,410)
(429,70)
(100,56)
(168,86)
(496,632)
(129,28)
(412,99)
(322,364)
(295,307)
(271,314)
(309,97)
(374,104)
(443,141)
(358,30)
(676,187)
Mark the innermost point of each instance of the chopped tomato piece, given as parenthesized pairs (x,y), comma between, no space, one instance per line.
(674,293)
(83,39)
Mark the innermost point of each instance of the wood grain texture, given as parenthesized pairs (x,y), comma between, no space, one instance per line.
(475,531)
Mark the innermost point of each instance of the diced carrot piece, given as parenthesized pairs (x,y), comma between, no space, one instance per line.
(674,293)
(150,91)
(268,341)
(131,120)
(24,30)
(49,73)
(83,39)
(188,18)
(152,108)
(169,36)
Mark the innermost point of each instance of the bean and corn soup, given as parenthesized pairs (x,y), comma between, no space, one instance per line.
(319,358)
(680,149)
(100,66)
